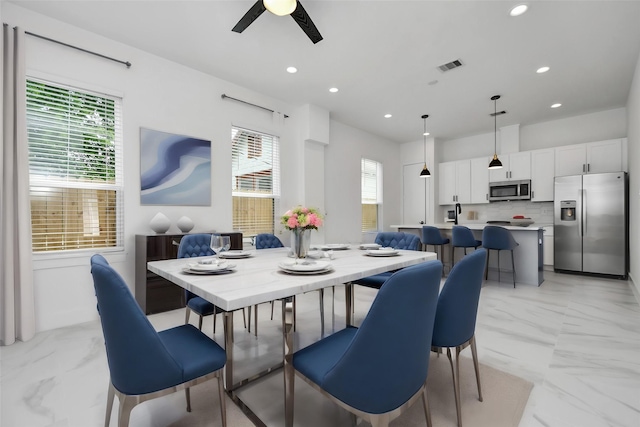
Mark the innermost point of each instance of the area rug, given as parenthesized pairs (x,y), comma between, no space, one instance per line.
(505,397)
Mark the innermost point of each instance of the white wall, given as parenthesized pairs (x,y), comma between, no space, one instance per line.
(342,181)
(167,96)
(633,144)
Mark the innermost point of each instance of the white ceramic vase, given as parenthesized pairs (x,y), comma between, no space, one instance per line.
(185,224)
(160,223)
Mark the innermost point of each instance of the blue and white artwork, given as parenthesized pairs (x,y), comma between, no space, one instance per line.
(174,169)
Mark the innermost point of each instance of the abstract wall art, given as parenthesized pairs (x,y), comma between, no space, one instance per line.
(174,169)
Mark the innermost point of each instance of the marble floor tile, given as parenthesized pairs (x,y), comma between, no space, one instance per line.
(577,338)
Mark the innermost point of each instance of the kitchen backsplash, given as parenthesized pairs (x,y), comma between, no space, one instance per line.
(540,212)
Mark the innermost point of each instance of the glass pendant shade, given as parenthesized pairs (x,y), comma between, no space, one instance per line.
(280,7)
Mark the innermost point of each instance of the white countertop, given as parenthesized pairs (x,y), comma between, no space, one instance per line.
(472,226)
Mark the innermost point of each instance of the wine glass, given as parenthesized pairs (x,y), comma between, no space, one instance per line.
(219,244)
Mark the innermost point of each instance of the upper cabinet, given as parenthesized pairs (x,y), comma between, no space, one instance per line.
(592,157)
(515,166)
(454,182)
(479,180)
(542,175)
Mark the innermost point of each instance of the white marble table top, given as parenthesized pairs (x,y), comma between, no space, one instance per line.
(257,279)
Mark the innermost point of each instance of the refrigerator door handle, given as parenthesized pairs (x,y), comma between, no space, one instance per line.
(584,212)
(579,213)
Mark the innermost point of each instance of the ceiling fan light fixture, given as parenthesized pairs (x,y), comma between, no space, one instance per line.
(280,7)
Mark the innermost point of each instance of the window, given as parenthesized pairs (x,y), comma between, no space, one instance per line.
(75,168)
(371,182)
(256,181)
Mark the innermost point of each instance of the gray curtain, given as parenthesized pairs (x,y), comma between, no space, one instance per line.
(17,309)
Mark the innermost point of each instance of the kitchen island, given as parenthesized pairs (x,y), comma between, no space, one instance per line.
(528,255)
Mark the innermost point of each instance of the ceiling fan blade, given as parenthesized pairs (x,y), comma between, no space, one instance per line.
(251,15)
(304,20)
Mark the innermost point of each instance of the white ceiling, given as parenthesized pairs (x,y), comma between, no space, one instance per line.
(382,55)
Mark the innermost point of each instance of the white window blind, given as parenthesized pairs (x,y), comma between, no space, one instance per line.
(75,168)
(255,181)
(371,192)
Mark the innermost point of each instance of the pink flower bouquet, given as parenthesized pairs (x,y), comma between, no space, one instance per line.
(301,218)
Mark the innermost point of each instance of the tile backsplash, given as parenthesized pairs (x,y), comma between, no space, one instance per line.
(540,212)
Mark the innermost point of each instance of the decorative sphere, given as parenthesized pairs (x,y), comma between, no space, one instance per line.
(185,224)
(160,223)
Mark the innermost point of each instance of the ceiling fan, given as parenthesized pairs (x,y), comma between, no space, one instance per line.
(280,8)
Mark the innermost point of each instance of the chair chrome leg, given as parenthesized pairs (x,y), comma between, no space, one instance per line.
(498,265)
(187,394)
(249,328)
(474,354)
(223,402)
(255,320)
(425,404)
(272,304)
(513,266)
(456,382)
(200,322)
(486,266)
(354,419)
(244,318)
(111,394)
(186,315)
(379,420)
(124,413)
(215,314)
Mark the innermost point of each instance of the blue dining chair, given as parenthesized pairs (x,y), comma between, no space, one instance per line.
(392,239)
(456,314)
(462,237)
(145,364)
(196,245)
(499,239)
(378,370)
(431,236)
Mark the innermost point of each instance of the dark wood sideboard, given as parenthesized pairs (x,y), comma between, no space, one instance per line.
(153,293)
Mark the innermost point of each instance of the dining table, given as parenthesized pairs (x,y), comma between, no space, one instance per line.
(260,276)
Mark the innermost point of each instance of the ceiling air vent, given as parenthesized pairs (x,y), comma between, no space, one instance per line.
(450,65)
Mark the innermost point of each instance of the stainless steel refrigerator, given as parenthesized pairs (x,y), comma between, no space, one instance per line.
(591,224)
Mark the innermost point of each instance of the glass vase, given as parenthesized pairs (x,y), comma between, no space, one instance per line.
(300,240)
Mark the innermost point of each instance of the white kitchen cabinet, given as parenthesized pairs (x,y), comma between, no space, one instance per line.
(592,157)
(542,175)
(454,182)
(515,166)
(479,180)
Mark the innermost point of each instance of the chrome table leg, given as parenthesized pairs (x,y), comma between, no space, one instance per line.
(288,323)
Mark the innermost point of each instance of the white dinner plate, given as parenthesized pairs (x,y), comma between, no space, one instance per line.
(213,267)
(370,246)
(323,271)
(382,252)
(235,254)
(334,246)
(221,271)
(312,266)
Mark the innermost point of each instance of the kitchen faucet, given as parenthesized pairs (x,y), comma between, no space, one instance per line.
(458,210)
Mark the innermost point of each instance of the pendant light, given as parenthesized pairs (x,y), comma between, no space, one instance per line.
(425,172)
(495,163)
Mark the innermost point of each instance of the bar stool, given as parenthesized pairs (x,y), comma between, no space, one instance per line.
(499,239)
(431,236)
(462,237)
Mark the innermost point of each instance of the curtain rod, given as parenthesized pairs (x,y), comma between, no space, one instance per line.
(127,63)
(224,96)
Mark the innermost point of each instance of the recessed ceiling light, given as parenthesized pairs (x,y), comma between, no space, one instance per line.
(433,82)
(518,10)
(333,90)
(426,134)
(387,116)
(292,70)
(542,70)
(556,105)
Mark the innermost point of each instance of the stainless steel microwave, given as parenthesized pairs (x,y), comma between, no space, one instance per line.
(510,190)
